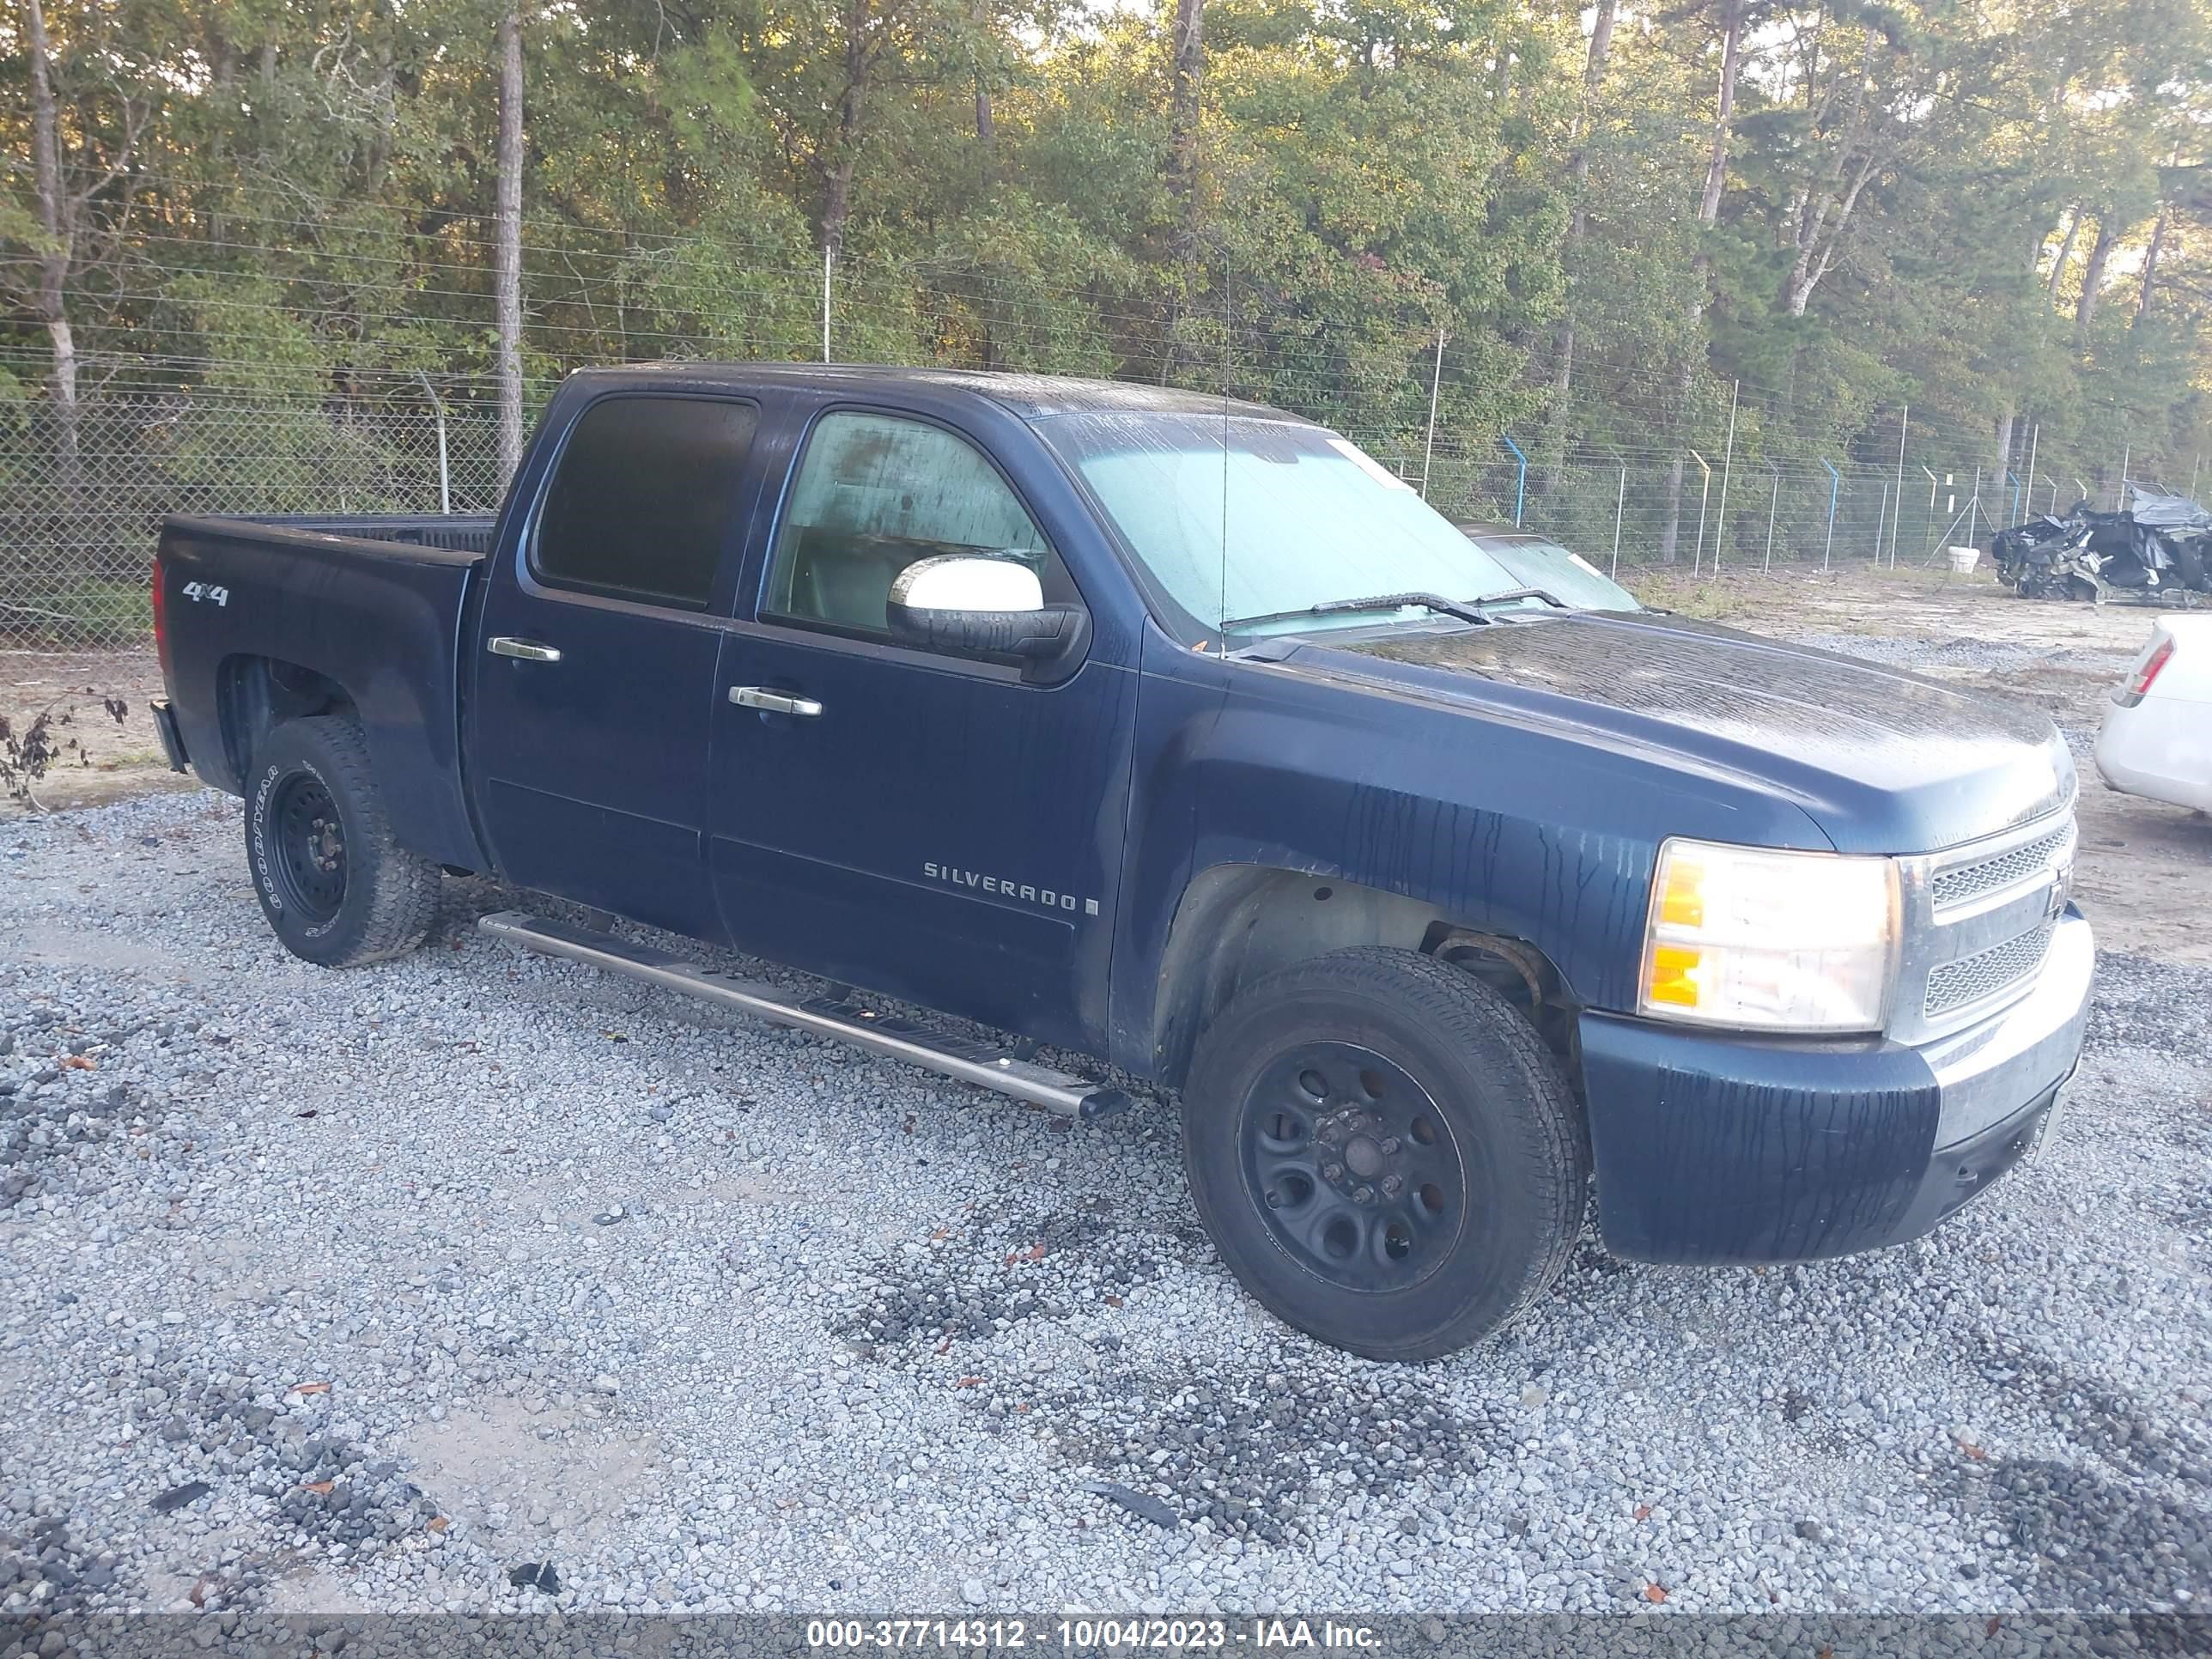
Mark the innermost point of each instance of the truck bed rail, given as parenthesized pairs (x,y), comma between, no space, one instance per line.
(457,532)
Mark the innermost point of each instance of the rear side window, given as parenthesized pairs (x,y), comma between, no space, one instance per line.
(643,497)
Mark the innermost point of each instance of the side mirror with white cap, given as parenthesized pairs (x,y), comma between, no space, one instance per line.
(992,609)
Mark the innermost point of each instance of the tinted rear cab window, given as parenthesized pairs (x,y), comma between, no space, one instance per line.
(643,498)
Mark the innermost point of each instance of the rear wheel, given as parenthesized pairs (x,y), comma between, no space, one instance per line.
(335,884)
(1385,1152)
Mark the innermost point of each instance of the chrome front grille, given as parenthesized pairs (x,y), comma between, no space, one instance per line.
(1978,924)
(1973,979)
(1960,883)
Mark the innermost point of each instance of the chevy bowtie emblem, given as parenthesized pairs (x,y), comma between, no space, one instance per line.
(2062,885)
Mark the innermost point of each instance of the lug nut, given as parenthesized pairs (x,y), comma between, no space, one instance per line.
(1332,1171)
(1363,1195)
(1392,1185)
(1390,1145)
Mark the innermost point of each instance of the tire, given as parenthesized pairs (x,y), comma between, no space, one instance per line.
(1365,1071)
(338,889)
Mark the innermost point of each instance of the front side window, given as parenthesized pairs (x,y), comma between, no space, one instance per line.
(643,498)
(876,492)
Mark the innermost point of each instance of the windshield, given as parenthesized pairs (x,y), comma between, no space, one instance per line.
(1308,519)
(1567,576)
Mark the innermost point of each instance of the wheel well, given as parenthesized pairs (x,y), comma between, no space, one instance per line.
(255,694)
(1239,923)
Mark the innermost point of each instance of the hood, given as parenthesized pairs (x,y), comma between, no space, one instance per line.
(1880,759)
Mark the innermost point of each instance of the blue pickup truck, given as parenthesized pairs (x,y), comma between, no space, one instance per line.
(1177,739)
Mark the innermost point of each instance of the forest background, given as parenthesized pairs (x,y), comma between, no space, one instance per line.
(1702,281)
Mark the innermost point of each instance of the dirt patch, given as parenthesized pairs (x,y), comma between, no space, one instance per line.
(2144,873)
(525,1472)
(114,758)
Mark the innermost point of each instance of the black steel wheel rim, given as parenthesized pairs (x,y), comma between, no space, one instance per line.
(1356,1172)
(310,863)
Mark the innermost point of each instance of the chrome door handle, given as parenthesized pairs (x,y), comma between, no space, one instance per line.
(774,703)
(504,645)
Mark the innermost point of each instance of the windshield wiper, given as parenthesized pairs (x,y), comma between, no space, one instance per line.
(1435,602)
(1510,593)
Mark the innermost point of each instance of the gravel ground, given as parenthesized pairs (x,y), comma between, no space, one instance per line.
(1963,654)
(480,1281)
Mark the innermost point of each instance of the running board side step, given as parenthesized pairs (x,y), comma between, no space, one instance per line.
(1006,1071)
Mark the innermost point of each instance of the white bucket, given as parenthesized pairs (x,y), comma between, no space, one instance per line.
(1963,559)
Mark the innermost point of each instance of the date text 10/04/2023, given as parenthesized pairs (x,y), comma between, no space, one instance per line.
(1083,1634)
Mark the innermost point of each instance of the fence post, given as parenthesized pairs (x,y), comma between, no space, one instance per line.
(1620,503)
(1881,519)
(1835,482)
(1930,526)
(444,472)
(2127,455)
(2014,476)
(1697,555)
(1521,484)
(1974,508)
(1897,506)
(2033,438)
(825,304)
(1773,501)
(1728,459)
(1436,386)
(2193,461)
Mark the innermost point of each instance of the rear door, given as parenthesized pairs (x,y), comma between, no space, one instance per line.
(599,637)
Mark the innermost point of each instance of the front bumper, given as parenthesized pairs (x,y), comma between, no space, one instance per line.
(1718,1147)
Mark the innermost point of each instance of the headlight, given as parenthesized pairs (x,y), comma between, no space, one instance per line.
(1748,937)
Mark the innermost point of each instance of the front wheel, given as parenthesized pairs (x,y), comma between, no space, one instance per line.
(336,885)
(1386,1154)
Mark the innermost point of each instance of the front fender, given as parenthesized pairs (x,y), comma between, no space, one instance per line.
(1518,830)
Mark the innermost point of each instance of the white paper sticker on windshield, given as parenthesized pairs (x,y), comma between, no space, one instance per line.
(1585,564)
(1367,464)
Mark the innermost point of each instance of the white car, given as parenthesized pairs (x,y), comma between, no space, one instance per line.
(2157,737)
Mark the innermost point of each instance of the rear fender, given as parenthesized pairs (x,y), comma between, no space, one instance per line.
(255,694)
(272,622)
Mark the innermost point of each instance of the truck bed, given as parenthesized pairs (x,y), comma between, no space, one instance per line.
(373,604)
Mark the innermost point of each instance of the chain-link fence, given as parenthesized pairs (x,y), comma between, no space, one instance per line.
(80,508)
(78,522)
(1759,516)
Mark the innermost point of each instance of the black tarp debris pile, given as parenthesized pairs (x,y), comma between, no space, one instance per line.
(2162,544)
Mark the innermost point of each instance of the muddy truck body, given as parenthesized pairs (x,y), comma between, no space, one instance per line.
(1176,740)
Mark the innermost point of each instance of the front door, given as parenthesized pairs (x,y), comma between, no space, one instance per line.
(925,826)
(594,694)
